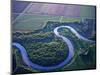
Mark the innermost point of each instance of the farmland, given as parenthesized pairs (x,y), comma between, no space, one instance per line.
(33,22)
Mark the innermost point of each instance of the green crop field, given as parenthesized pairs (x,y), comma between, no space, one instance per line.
(33,22)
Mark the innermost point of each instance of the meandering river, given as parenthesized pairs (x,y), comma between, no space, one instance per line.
(70,55)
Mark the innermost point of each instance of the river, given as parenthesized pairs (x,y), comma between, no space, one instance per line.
(70,55)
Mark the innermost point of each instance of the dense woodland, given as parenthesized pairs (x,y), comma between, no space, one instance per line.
(46,49)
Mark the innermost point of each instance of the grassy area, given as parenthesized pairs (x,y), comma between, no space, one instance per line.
(34,22)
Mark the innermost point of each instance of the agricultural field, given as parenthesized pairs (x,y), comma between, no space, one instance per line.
(33,22)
